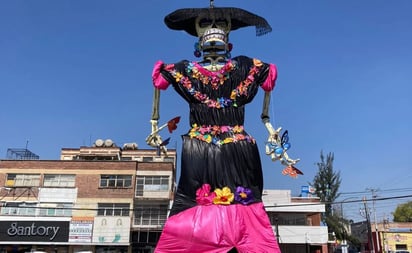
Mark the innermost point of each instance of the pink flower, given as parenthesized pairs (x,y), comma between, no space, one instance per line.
(204,196)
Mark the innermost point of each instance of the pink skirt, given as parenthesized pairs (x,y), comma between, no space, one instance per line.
(218,229)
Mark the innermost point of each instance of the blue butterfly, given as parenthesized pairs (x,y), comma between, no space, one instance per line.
(284,144)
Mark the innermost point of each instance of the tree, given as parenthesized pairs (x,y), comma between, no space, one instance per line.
(403,212)
(326,184)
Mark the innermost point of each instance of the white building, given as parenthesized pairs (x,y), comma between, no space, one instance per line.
(297,221)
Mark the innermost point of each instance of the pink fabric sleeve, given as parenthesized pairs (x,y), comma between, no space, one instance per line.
(269,83)
(158,80)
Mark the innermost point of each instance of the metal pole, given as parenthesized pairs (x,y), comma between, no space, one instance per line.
(277,228)
(373,191)
(376,224)
(368,224)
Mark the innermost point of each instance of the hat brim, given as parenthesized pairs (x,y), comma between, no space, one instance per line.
(185,19)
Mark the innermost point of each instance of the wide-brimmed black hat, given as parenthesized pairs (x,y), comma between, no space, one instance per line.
(185,19)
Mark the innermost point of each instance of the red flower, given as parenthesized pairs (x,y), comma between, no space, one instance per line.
(204,196)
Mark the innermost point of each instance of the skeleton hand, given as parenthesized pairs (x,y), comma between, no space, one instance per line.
(154,138)
(277,145)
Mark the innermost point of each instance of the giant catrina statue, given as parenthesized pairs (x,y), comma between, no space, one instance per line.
(218,203)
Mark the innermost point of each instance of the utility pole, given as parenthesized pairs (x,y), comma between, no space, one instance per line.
(368,224)
(374,195)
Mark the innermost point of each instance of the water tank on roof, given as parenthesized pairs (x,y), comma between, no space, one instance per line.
(108,143)
(130,146)
(99,143)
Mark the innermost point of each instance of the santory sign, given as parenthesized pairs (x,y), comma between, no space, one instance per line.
(43,231)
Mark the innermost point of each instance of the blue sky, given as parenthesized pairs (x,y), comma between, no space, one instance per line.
(75,71)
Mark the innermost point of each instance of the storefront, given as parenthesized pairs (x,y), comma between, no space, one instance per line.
(76,235)
(34,235)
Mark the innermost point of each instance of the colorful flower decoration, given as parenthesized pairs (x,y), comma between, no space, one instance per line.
(243,195)
(204,196)
(223,196)
(209,134)
(215,79)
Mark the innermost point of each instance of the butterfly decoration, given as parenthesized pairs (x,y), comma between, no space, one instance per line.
(276,147)
(280,145)
(154,138)
(172,124)
(284,144)
(291,171)
(162,145)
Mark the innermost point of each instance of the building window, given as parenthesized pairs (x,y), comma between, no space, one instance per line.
(113,209)
(146,237)
(59,180)
(291,219)
(19,208)
(61,209)
(116,181)
(150,215)
(22,180)
(151,184)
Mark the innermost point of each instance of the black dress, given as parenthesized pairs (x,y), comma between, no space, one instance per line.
(220,162)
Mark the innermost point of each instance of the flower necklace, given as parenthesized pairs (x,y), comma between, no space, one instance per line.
(216,78)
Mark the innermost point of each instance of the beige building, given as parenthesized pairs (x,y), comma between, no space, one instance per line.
(100,199)
(296,221)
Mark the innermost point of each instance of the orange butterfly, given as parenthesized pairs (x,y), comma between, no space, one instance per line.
(292,171)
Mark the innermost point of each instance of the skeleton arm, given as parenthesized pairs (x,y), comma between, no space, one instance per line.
(154,138)
(274,147)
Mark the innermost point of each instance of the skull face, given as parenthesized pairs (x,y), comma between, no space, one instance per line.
(205,22)
(213,31)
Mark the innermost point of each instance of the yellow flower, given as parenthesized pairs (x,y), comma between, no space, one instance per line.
(257,62)
(233,94)
(224,196)
(228,140)
(237,129)
(178,76)
(207,138)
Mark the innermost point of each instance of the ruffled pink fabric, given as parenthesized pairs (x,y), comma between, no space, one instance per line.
(158,80)
(269,83)
(217,229)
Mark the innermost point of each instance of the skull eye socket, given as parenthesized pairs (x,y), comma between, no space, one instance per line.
(205,22)
(221,23)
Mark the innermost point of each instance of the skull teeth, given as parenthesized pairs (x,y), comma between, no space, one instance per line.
(214,34)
